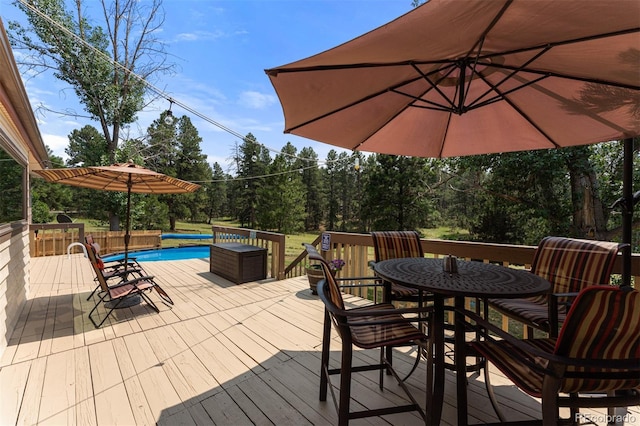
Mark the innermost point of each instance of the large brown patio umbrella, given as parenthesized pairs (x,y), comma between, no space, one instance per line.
(454,78)
(125,177)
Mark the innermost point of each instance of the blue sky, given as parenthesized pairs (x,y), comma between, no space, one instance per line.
(221,49)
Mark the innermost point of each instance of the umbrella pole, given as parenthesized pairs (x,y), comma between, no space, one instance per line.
(127,236)
(627,211)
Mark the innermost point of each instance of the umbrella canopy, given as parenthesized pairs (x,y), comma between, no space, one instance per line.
(125,177)
(453,78)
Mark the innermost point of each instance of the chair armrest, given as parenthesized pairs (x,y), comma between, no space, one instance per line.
(554,303)
(134,282)
(544,361)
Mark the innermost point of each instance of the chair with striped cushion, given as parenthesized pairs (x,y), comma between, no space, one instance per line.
(113,271)
(366,327)
(569,265)
(116,295)
(597,352)
(394,245)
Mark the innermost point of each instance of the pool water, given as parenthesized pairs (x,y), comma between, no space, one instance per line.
(172,253)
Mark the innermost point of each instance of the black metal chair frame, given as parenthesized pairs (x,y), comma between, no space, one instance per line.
(117,294)
(344,320)
(554,368)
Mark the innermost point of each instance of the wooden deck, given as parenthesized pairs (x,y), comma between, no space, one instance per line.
(224,354)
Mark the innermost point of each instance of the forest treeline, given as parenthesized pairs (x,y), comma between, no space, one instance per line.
(110,52)
(508,198)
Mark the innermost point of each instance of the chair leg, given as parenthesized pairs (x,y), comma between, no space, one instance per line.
(92,293)
(382,368)
(389,357)
(491,394)
(148,300)
(550,412)
(326,344)
(415,364)
(163,294)
(345,384)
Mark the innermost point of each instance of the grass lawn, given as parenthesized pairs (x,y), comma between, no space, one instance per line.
(293,242)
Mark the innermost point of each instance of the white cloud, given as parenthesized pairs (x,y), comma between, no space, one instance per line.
(256,100)
(56,143)
(201,35)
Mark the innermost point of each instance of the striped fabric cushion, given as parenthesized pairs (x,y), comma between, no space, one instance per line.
(529,311)
(334,291)
(572,264)
(604,323)
(569,265)
(368,336)
(394,245)
(508,359)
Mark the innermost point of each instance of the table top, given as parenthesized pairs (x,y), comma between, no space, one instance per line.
(473,279)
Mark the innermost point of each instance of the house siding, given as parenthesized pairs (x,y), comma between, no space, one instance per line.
(21,140)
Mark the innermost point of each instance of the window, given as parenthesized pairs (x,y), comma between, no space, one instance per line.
(12,189)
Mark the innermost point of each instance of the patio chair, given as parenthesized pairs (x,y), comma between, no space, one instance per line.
(113,271)
(595,361)
(367,327)
(116,294)
(398,244)
(569,265)
(393,245)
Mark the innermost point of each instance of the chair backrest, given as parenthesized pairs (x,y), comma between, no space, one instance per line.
(335,296)
(396,244)
(96,263)
(602,324)
(571,264)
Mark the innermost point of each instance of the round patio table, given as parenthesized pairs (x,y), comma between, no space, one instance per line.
(472,279)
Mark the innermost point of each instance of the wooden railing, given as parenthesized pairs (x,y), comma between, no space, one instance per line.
(273,242)
(357,251)
(113,241)
(54,239)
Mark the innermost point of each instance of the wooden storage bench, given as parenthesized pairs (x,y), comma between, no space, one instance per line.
(237,262)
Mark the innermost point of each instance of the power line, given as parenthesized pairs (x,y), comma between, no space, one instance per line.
(156,90)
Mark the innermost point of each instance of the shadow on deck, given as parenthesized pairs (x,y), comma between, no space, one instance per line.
(224,354)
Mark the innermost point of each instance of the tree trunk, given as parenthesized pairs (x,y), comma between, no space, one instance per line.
(588,212)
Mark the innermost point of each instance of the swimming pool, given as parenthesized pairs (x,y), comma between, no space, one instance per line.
(170,253)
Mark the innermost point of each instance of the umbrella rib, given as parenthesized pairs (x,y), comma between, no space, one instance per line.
(568,77)
(500,95)
(478,48)
(568,103)
(351,104)
(489,27)
(339,67)
(494,87)
(563,42)
(275,71)
(427,78)
(538,128)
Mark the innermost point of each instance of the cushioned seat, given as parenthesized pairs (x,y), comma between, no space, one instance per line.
(597,351)
(367,327)
(569,265)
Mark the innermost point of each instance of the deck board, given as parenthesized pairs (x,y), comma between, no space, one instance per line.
(224,354)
